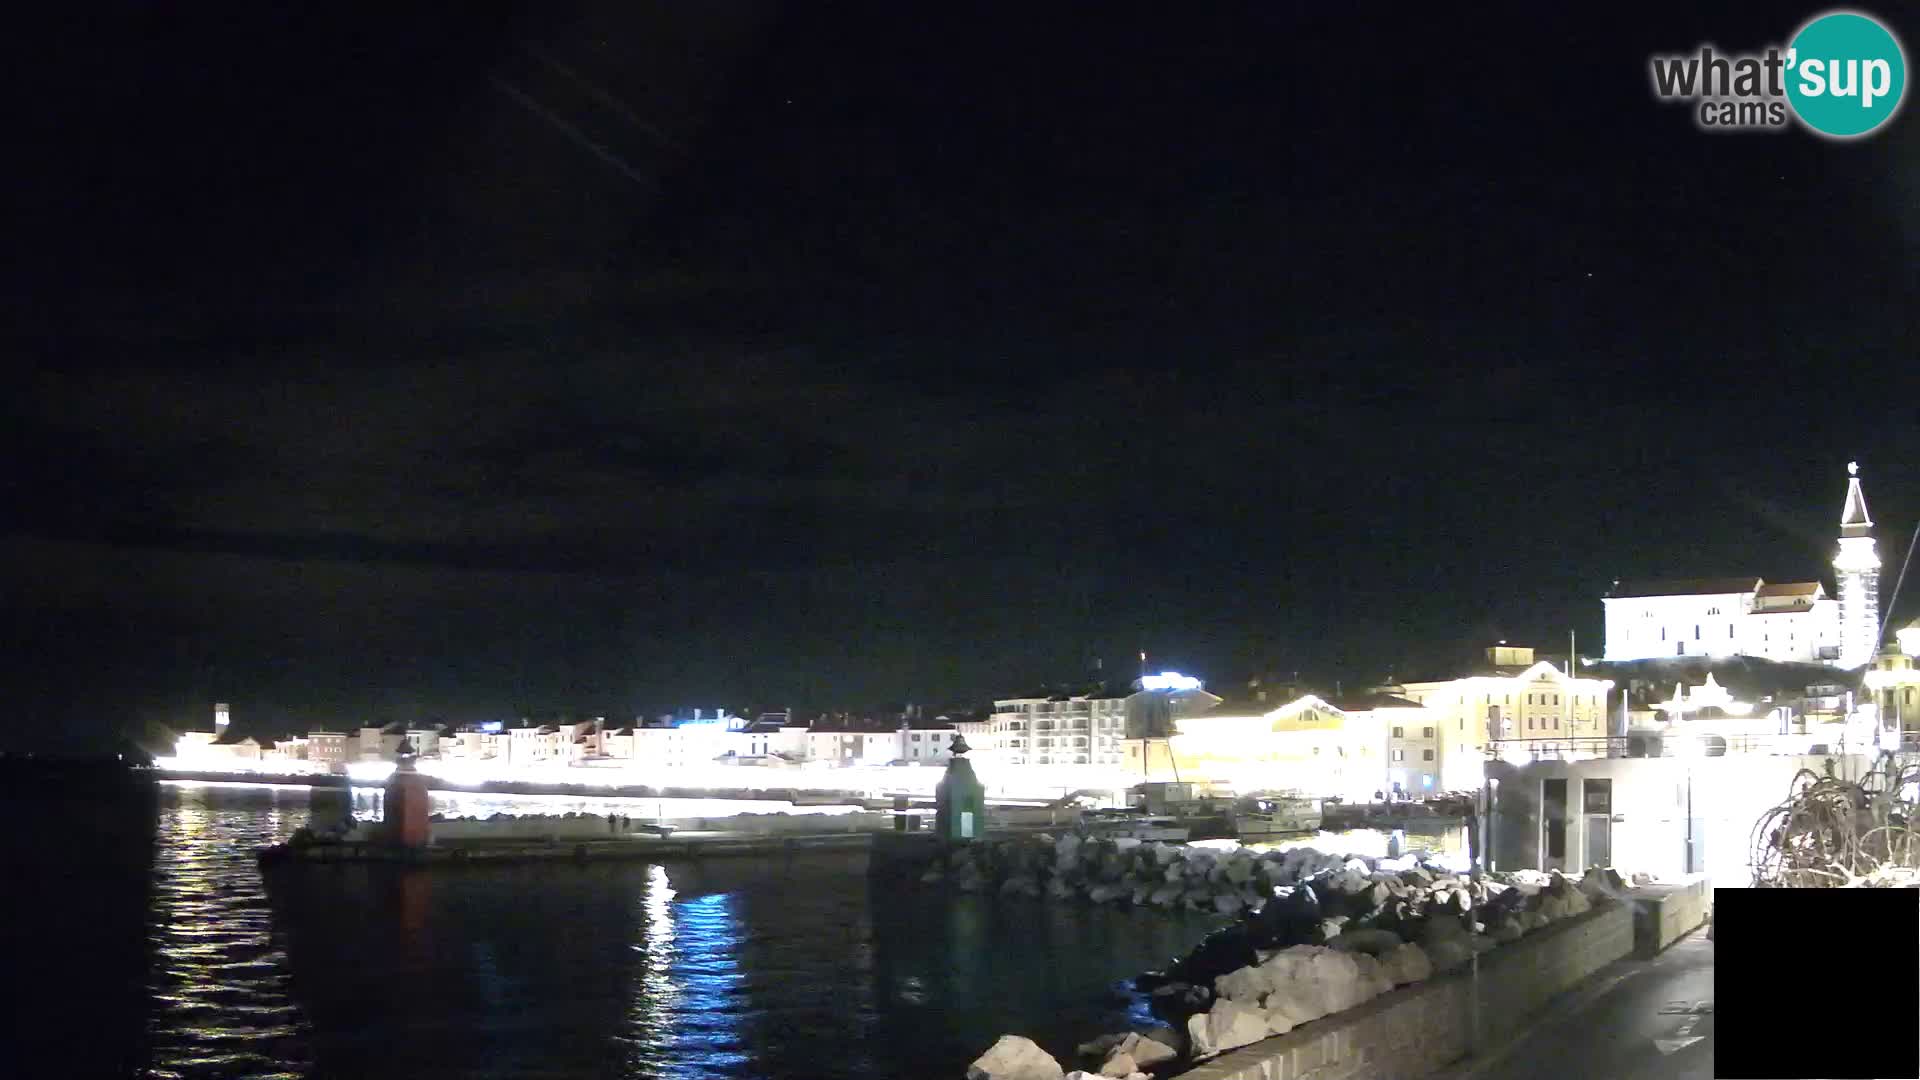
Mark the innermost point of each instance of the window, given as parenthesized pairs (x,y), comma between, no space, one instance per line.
(1398,733)
(1529,723)
(1713,611)
(1426,755)
(1696,631)
(1426,733)
(1399,755)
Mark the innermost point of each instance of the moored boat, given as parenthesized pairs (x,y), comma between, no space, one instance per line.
(1129,824)
(1278,814)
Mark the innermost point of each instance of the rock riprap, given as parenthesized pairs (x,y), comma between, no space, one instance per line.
(1314,934)
(1014,1057)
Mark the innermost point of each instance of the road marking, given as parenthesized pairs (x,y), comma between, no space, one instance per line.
(1682,1038)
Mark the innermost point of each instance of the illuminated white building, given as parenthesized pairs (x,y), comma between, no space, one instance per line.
(1793,622)
(1062,729)
(1893,683)
(1715,618)
(1307,745)
(327,749)
(1517,698)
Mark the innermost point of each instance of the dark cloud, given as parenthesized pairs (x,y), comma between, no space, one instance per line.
(922,359)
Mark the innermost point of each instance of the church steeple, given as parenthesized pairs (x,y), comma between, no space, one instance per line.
(1853,517)
(1856,571)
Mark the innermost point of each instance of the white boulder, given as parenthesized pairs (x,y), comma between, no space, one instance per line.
(1246,985)
(1145,1052)
(1374,979)
(1289,1004)
(1119,1065)
(1227,1025)
(1407,963)
(1014,1057)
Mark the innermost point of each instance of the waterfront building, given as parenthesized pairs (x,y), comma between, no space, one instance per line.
(1414,743)
(474,742)
(425,740)
(1670,814)
(844,741)
(1513,698)
(1893,684)
(328,750)
(380,743)
(1308,745)
(1793,622)
(1058,729)
(290,751)
(927,741)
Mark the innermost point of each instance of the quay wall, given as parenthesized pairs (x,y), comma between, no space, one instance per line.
(1664,913)
(595,828)
(1420,1028)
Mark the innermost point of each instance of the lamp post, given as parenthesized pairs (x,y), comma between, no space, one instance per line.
(1473,913)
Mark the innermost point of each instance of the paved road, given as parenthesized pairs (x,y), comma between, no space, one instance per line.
(1636,1020)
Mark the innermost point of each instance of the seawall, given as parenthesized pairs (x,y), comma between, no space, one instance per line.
(1417,1029)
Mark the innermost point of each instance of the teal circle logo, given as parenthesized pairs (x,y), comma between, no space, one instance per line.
(1845,74)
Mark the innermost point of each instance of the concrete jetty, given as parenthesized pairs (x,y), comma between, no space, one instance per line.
(620,849)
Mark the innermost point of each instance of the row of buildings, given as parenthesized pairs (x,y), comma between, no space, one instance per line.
(1789,659)
(1410,737)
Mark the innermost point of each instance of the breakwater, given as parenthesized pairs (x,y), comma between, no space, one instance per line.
(1315,933)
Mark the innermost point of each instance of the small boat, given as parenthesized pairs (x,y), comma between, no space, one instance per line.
(1276,815)
(1128,824)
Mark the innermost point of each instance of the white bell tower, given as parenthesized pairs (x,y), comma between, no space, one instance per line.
(1856,571)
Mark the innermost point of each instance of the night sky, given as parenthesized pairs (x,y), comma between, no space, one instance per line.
(598,357)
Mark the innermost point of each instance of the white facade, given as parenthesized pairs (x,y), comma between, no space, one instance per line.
(853,747)
(1307,745)
(329,748)
(1415,748)
(1075,730)
(1540,703)
(1792,623)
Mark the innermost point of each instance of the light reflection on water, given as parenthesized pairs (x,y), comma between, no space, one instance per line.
(218,986)
(723,970)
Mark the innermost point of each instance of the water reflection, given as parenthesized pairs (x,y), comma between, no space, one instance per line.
(650,1016)
(219,983)
(725,969)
